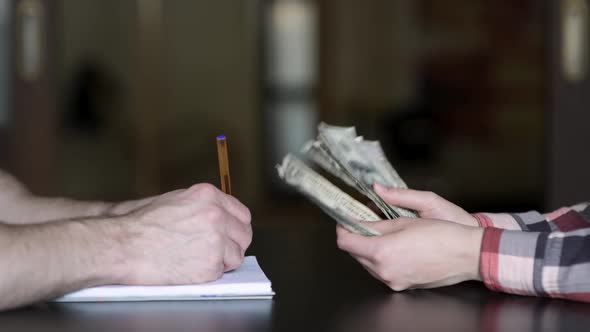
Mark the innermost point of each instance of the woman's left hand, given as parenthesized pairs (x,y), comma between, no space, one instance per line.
(416,253)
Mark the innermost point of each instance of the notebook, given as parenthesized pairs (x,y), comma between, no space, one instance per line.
(246,282)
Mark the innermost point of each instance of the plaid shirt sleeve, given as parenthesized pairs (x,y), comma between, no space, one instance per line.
(534,221)
(550,258)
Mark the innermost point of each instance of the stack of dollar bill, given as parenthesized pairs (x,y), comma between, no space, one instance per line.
(358,163)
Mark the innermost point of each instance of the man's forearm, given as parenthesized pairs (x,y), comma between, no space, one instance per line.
(18,206)
(43,261)
(35,210)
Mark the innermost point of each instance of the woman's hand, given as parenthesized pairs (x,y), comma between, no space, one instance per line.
(417,253)
(427,204)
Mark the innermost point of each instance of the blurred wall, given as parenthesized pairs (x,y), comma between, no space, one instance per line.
(208,87)
(454,90)
(368,55)
(99,35)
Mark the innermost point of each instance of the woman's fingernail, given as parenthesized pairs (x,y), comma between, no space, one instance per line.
(379,187)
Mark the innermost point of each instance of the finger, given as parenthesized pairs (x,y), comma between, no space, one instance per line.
(235,207)
(408,198)
(376,209)
(354,244)
(369,266)
(375,274)
(388,226)
(208,192)
(366,262)
(233,256)
(239,232)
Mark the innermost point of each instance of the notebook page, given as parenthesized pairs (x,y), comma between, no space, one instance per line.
(247,281)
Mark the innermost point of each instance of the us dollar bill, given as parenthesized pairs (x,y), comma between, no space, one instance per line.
(361,162)
(318,153)
(347,211)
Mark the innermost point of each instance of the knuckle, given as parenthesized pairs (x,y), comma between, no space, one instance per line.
(398,287)
(243,253)
(379,254)
(341,242)
(383,273)
(249,235)
(244,213)
(216,271)
(216,241)
(214,261)
(213,214)
(204,190)
(234,263)
(248,215)
(219,267)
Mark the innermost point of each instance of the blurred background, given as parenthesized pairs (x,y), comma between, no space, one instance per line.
(119,99)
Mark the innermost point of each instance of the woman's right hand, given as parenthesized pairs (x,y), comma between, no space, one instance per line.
(427,204)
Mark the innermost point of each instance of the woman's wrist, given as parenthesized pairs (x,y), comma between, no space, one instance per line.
(473,253)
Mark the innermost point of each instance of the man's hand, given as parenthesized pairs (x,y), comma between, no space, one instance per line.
(417,253)
(125,207)
(186,236)
(427,204)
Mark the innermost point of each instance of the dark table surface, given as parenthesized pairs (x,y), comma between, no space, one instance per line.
(318,289)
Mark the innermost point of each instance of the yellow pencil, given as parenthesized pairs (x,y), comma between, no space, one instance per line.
(223,164)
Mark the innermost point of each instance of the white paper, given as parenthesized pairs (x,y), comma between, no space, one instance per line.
(246,282)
